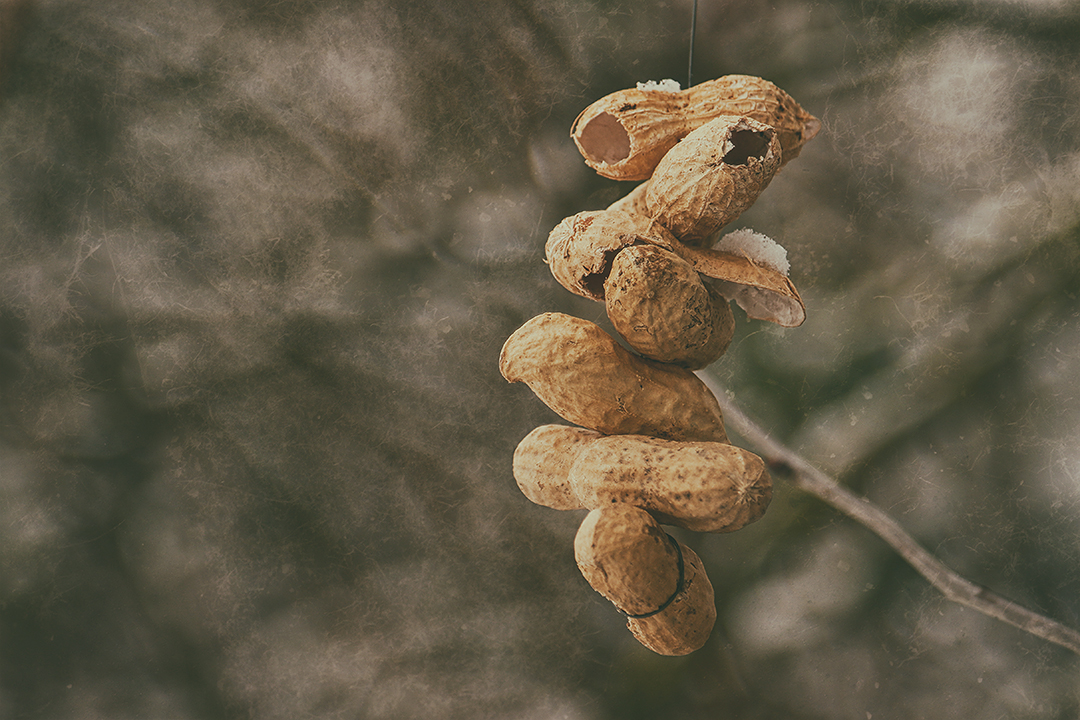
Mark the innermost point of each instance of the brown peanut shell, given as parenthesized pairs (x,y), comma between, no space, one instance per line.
(579,250)
(627,557)
(624,135)
(542,462)
(700,486)
(712,176)
(633,201)
(761,291)
(685,625)
(587,378)
(658,303)
(760,100)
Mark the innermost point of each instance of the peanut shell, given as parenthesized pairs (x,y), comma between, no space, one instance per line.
(542,463)
(658,303)
(627,557)
(624,135)
(582,374)
(685,625)
(701,486)
(712,176)
(633,201)
(579,250)
(760,100)
(764,293)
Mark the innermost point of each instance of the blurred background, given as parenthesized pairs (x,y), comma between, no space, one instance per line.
(257,261)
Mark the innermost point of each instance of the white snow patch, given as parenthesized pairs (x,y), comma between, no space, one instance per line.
(667,85)
(756,247)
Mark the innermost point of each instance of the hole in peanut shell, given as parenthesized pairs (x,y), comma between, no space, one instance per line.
(746,144)
(605,140)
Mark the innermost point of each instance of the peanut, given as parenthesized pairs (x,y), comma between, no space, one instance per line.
(587,378)
(658,303)
(542,462)
(624,135)
(579,249)
(712,176)
(658,582)
(700,486)
(763,292)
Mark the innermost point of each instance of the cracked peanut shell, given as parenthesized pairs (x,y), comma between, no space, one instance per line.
(711,177)
(580,249)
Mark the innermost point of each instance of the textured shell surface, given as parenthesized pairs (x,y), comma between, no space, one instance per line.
(542,462)
(762,292)
(580,249)
(625,134)
(657,302)
(685,625)
(758,99)
(587,378)
(701,486)
(627,557)
(712,176)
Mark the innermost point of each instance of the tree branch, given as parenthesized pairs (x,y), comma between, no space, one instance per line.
(952,585)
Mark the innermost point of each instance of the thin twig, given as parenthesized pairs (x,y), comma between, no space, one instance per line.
(952,585)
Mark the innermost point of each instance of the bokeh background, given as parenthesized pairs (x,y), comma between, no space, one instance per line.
(257,260)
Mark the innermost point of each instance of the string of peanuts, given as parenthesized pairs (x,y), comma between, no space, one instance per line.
(648,446)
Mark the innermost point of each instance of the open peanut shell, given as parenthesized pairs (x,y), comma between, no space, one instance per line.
(580,249)
(761,291)
(624,135)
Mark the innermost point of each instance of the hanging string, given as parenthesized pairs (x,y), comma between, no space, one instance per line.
(693,31)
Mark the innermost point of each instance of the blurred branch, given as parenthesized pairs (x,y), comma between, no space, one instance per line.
(952,585)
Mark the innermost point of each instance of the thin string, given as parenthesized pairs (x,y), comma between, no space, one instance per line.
(693,31)
(678,586)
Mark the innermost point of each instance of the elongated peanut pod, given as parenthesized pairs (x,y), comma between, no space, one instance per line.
(656,581)
(581,373)
(660,306)
(579,250)
(712,176)
(624,135)
(701,486)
